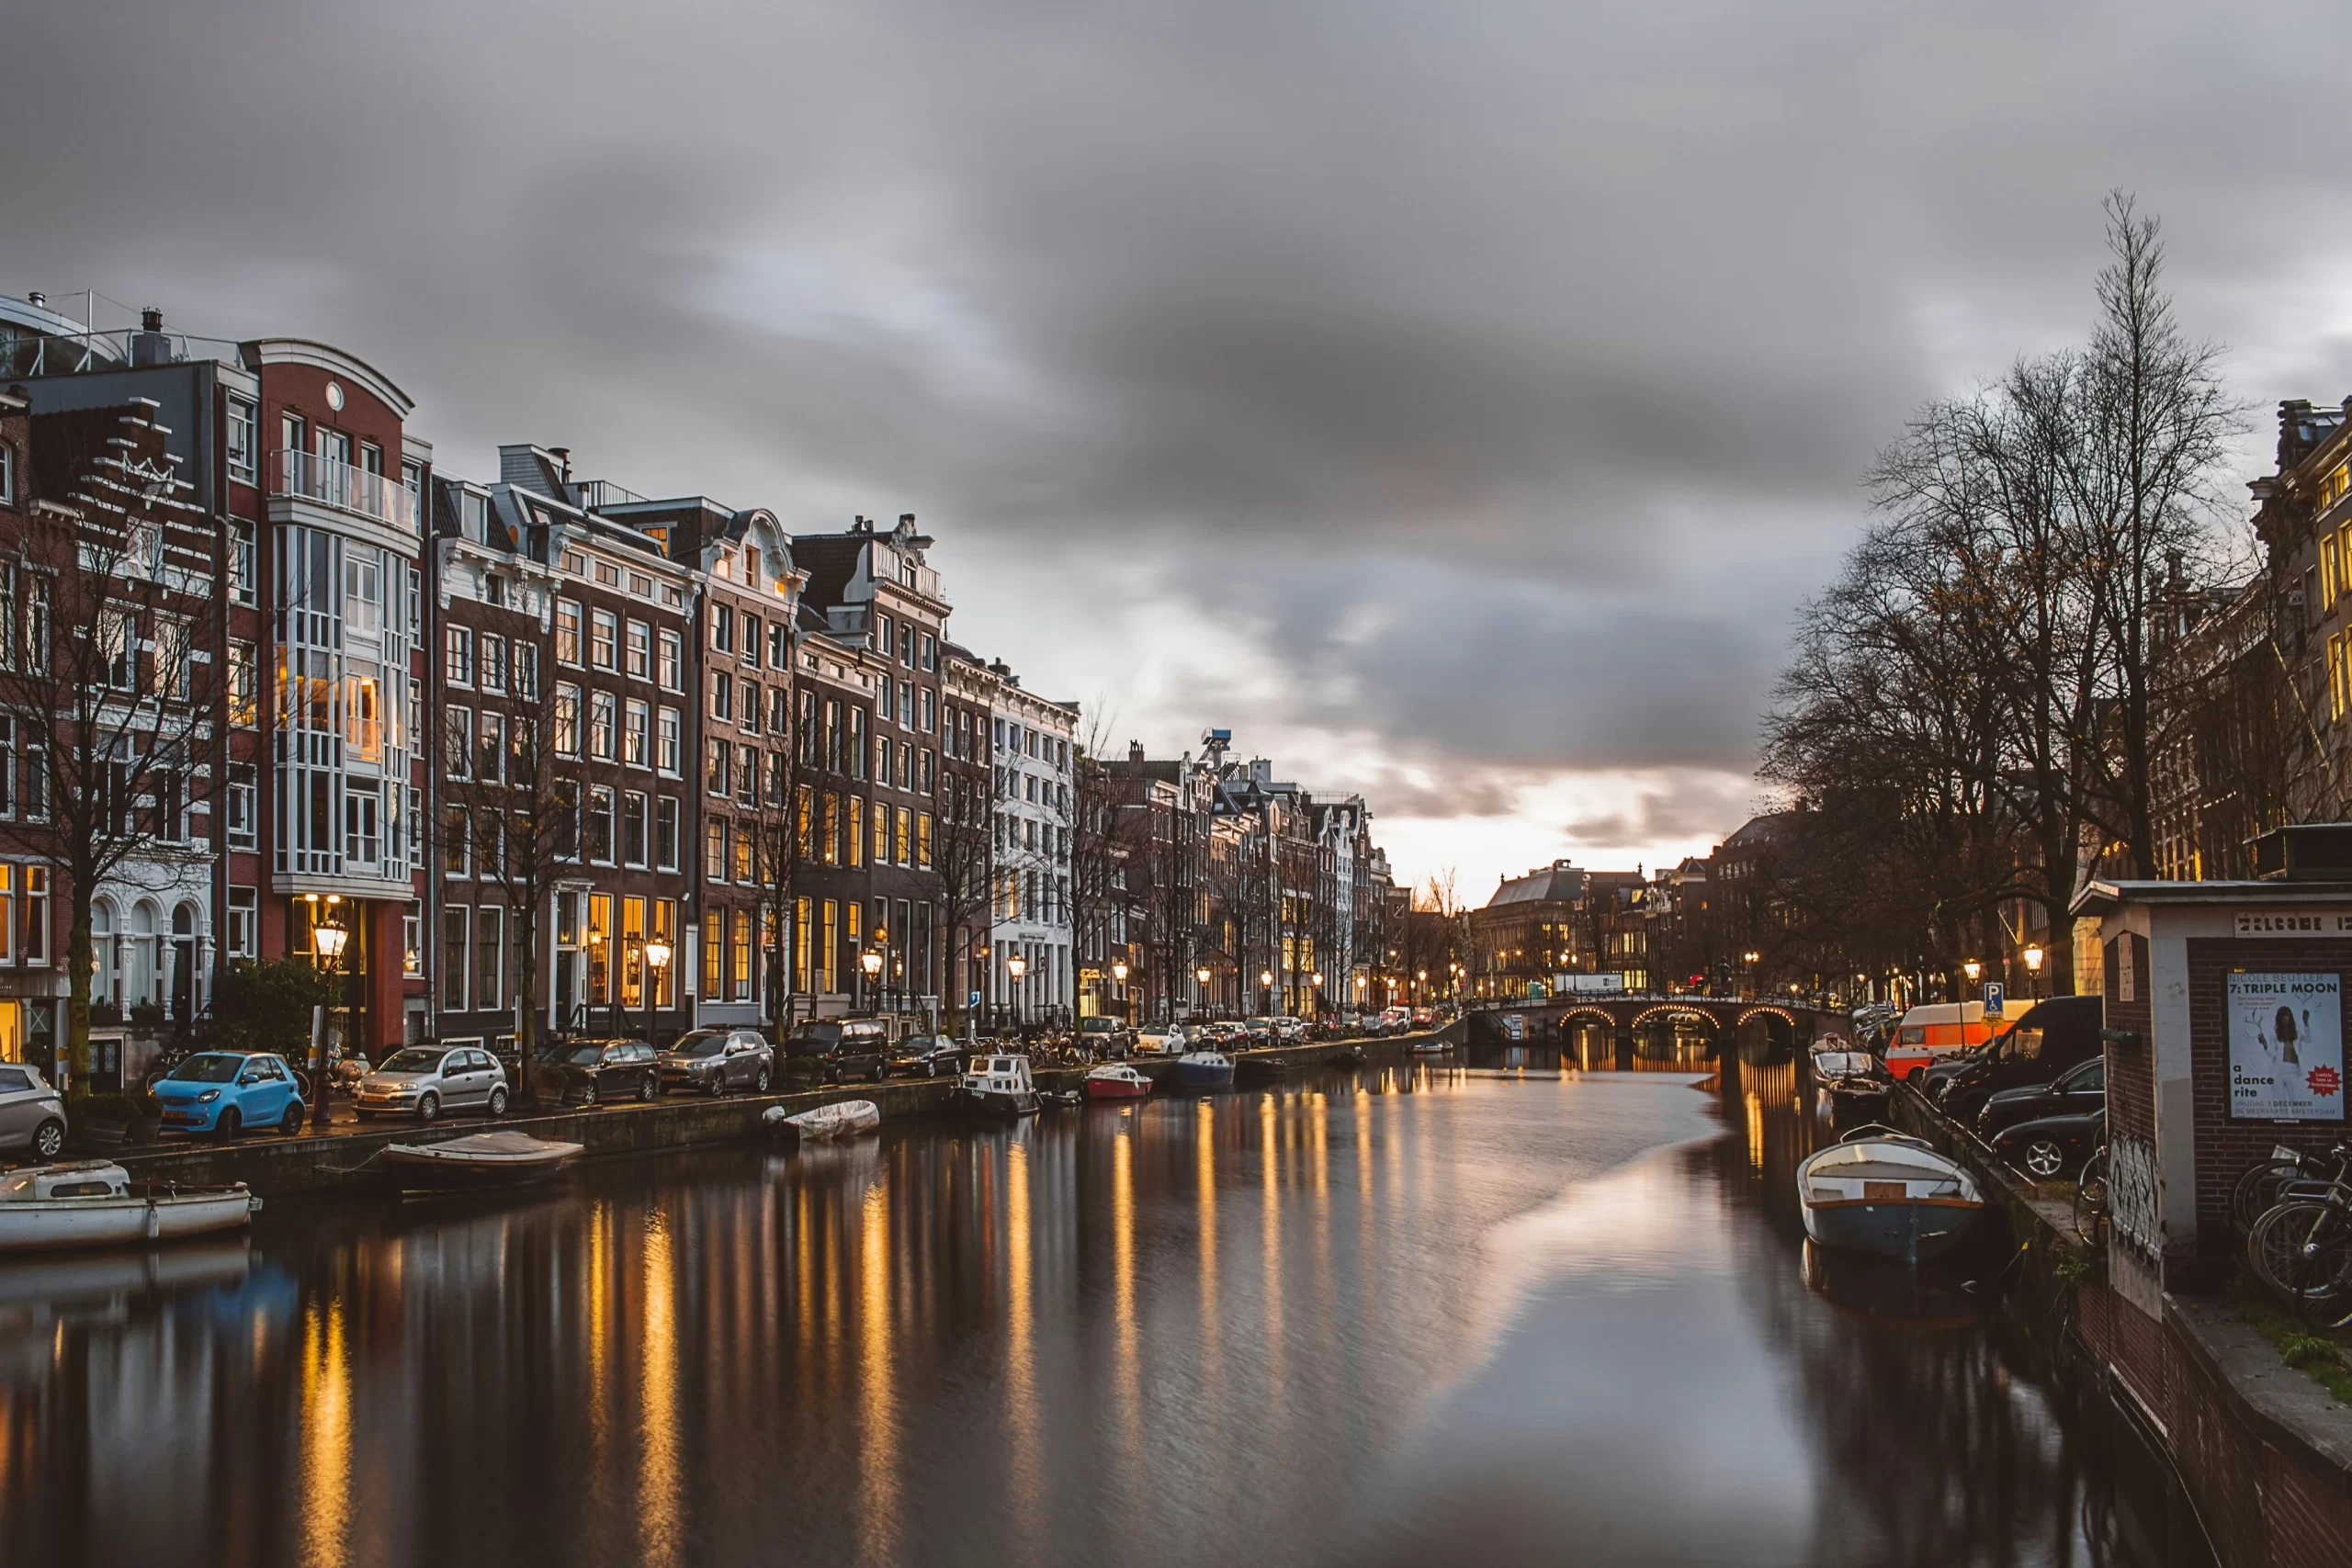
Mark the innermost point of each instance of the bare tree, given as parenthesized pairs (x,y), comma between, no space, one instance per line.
(108,601)
(963,851)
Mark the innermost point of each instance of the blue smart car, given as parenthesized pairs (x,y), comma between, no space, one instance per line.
(224,1092)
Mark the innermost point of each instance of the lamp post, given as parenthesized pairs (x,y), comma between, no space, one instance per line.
(1315,998)
(1972,968)
(1016,966)
(1266,988)
(327,939)
(1421,985)
(1201,975)
(656,961)
(1750,958)
(2033,968)
(870,961)
(1119,972)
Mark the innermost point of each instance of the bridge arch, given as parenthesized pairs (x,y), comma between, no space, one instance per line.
(1783,1014)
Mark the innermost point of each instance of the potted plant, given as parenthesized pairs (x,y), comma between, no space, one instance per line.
(106,1012)
(147,1015)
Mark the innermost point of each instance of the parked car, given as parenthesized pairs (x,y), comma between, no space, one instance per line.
(2078,1091)
(1395,1020)
(1260,1031)
(713,1061)
(1161,1040)
(926,1056)
(591,1072)
(1107,1036)
(225,1093)
(2049,1038)
(1289,1031)
(2051,1146)
(32,1114)
(835,1049)
(424,1081)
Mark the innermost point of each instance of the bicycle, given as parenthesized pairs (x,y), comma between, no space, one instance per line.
(2303,1249)
(2258,1190)
(2092,1221)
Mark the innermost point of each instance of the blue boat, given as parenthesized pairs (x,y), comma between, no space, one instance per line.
(1204,1069)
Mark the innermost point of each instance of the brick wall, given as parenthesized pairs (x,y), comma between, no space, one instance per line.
(2226,1148)
(2130,1078)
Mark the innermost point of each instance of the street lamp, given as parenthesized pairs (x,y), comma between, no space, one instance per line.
(1266,988)
(1315,1001)
(2033,968)
(871,962)
(1016,966)
(1119,972)
(328,939)
(1972,968)
(1201,975)
(656,961)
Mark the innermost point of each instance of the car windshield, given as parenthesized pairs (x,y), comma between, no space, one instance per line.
(410,1061)
(816,1036)
(1094,1025)
(702,1043)
(579,1055)
(208,1069)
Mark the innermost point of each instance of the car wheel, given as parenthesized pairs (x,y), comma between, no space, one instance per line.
(226,1127)
(429,1107)
(760,1085)
(498,1100)
(833,1075)
(49,1139)
(716,1086)
(2044,1157)
(650,1088)
(931,1069)
(290,1124)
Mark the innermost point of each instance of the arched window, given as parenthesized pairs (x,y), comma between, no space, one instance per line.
(105,970)
(138,957)
(183,968)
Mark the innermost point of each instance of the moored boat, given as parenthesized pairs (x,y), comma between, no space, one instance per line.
(841,1119)
(96,1203)
(1254,1068)
(997,1086)
(1432,1046)
(1204,1069)
(1115,1080)
(478,1159)
(1888,1193)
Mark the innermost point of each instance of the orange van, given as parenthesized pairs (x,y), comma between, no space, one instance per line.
(1935,1029)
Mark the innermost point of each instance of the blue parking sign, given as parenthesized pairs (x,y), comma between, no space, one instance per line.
(1993,998)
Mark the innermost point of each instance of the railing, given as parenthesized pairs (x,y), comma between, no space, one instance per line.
(596,494)
(340,485)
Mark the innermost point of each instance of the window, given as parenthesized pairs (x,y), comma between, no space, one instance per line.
(245,699)
(714,851)
(567,721)
(604,634)
(489,955)
(906,835)
(665,833)
(458,740)
(750,705)
(245,917)
(245,442)
(362,822)
(34,948)
(721,764)
(722,698)
(881,834)
(930,711)
(492,768)
(714,953)
(492,664)
(239,805)
(567,632)
(118,644)
(747,775)
(599,825)
(923,840)
(668,748)
(743,953)
(888,704)
(833,737)
(412,936)
(636,735)
(363,590)
(633,830)
(455,835)
(857,743)
(640,651)
(856,833)
(672,668)
(2331,581)
(640,585)
(242,565)
(773,793)
(750,639)
(747,871)
(930,651)
(455,920)
(457,657)
(906,707)
(779,709)
(608,574)
(779,648)
(527,672)
(883,633)
(602,721)
(2335,677)
(722,628)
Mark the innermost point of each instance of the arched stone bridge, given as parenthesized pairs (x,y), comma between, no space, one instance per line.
(1627,1022)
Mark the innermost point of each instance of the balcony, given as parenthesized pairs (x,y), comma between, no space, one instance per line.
(306,476)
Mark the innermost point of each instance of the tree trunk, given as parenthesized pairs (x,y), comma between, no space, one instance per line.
(74,1050)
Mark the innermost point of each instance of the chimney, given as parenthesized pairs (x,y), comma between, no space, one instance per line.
(1135,753)
(37,300)
(149,346)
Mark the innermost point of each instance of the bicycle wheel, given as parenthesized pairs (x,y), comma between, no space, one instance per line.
(2090,1200)
(2302,1251)
(2256,1192)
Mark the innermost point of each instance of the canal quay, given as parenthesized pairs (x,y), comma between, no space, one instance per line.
(1501,1311)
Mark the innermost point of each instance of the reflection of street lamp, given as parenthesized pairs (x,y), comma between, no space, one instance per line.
(657,960)
(2033,968)
(327,939)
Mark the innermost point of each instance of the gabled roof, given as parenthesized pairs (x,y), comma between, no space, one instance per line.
(1559,882)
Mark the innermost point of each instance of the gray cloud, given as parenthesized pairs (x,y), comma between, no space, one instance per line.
(1502,371)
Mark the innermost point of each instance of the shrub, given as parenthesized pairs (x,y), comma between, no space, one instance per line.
(266,1007)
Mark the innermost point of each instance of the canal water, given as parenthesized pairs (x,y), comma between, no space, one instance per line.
(1535,1314)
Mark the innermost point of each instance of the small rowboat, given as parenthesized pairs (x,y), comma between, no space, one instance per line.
(841,1119)
(96,1203)
(1116,1080)
(1886,1192)
(481,1159)
(1204,1069)
(1432,1046)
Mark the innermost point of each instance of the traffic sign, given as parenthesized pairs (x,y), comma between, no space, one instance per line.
(972,1000)
(1993,997)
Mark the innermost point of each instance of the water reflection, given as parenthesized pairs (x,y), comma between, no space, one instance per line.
(1181,1333)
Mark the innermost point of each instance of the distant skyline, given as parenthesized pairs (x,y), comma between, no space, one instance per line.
(1452,402)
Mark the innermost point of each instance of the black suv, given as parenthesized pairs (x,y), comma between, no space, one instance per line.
(2055,1034)
(838,1048)
(587,1072)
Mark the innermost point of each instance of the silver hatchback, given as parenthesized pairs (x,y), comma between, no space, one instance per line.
(424,1081)
(32,1114)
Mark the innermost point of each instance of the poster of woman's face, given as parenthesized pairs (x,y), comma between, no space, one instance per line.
(2286,1045)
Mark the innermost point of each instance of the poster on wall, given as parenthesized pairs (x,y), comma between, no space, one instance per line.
(2285,1047)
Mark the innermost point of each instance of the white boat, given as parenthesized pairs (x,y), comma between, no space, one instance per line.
(841,1119)
(1886,1192)
(1115,1080)
(478,1159)
(997,1086)
(1842,1061)
(96,1203)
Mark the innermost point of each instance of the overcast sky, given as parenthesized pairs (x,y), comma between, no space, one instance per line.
(1451,399)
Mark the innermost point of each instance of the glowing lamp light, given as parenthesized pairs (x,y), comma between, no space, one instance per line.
(1119,971)
(871,960)
(1016,965)
(1201,974)
(1972,968)
(330,940)
(2033,960)
(657,953)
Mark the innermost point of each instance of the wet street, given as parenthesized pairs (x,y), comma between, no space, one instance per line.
(1535,1315)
